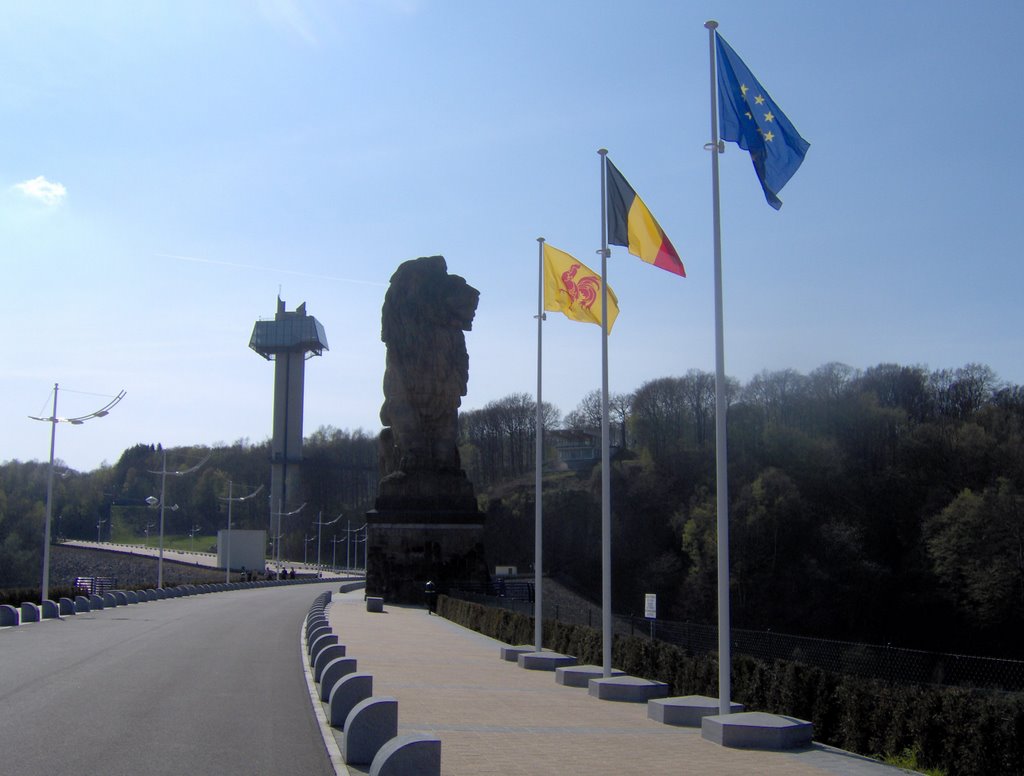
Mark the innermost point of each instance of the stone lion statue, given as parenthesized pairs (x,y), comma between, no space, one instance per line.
(425,314)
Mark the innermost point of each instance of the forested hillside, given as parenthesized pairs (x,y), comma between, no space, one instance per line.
(339,476)
(884,506)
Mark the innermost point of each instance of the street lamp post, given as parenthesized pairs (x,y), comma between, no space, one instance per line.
(348,546)
(99,525)
(319,530)
(163,489)
(192,536)
(357,540)
(227,539)
(280,533)
(53,420)
(305,550)
(334,553)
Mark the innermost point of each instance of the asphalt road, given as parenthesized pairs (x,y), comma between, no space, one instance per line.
(208,684)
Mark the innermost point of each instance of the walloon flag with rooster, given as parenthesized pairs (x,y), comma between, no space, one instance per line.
(572,288)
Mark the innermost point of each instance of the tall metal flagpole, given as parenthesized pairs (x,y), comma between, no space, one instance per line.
(538,507)
(606,503)
(716,146)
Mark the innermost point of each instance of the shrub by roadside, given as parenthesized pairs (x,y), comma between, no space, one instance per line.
(965,732)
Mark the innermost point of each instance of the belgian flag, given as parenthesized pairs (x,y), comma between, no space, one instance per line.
(631,225)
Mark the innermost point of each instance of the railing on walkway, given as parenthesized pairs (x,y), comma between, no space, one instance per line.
(887,663)
(95,585)
(513,594)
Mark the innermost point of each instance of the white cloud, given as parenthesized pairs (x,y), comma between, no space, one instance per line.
(43,190)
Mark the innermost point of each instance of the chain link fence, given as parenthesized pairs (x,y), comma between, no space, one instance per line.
(886,663)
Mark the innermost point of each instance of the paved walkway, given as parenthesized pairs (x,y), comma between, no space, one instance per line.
(495,718)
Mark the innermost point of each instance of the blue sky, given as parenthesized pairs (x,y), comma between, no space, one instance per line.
(167,168)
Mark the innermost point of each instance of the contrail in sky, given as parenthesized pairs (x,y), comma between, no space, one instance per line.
(268,269)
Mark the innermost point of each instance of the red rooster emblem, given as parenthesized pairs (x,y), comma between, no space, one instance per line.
(584,291)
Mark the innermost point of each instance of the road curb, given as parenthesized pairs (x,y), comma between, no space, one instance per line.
(326,731)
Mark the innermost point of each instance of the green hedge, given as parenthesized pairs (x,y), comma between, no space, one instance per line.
(964,732)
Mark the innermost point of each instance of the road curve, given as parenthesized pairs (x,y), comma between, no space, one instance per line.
(207,684)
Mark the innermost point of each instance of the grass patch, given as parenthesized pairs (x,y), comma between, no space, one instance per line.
(123,533)
(187,544)
(908,759)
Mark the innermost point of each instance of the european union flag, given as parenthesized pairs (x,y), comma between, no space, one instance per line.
(751,119)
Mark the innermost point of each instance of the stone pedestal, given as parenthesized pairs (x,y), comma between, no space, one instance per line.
(580,676)
(544,661)
(628,689)
(407,548)
(757,730)
(686,710)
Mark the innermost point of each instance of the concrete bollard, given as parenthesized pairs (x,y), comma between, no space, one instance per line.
(82,603)
(345,694)
(49,610)
(316,622)
(325,640)
(313,625)
(317,632)
(29,612)
(96,601)
(132,596)
(374,604)
(9,616)
(109,599)
(67,606)
(370,725)
(409,755)
(120,596)
(334,672)
(325,656)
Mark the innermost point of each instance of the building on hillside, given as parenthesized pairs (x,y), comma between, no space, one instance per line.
(576,450)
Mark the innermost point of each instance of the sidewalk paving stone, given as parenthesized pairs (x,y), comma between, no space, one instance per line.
(495,718)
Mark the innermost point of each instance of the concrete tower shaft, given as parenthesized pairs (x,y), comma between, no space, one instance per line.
(288,340)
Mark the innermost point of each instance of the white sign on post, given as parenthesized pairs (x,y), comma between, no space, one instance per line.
(651,606)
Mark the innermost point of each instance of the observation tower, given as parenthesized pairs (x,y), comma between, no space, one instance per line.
(288,340)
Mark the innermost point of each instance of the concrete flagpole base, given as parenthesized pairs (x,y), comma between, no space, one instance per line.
(686,710)
(757,730)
